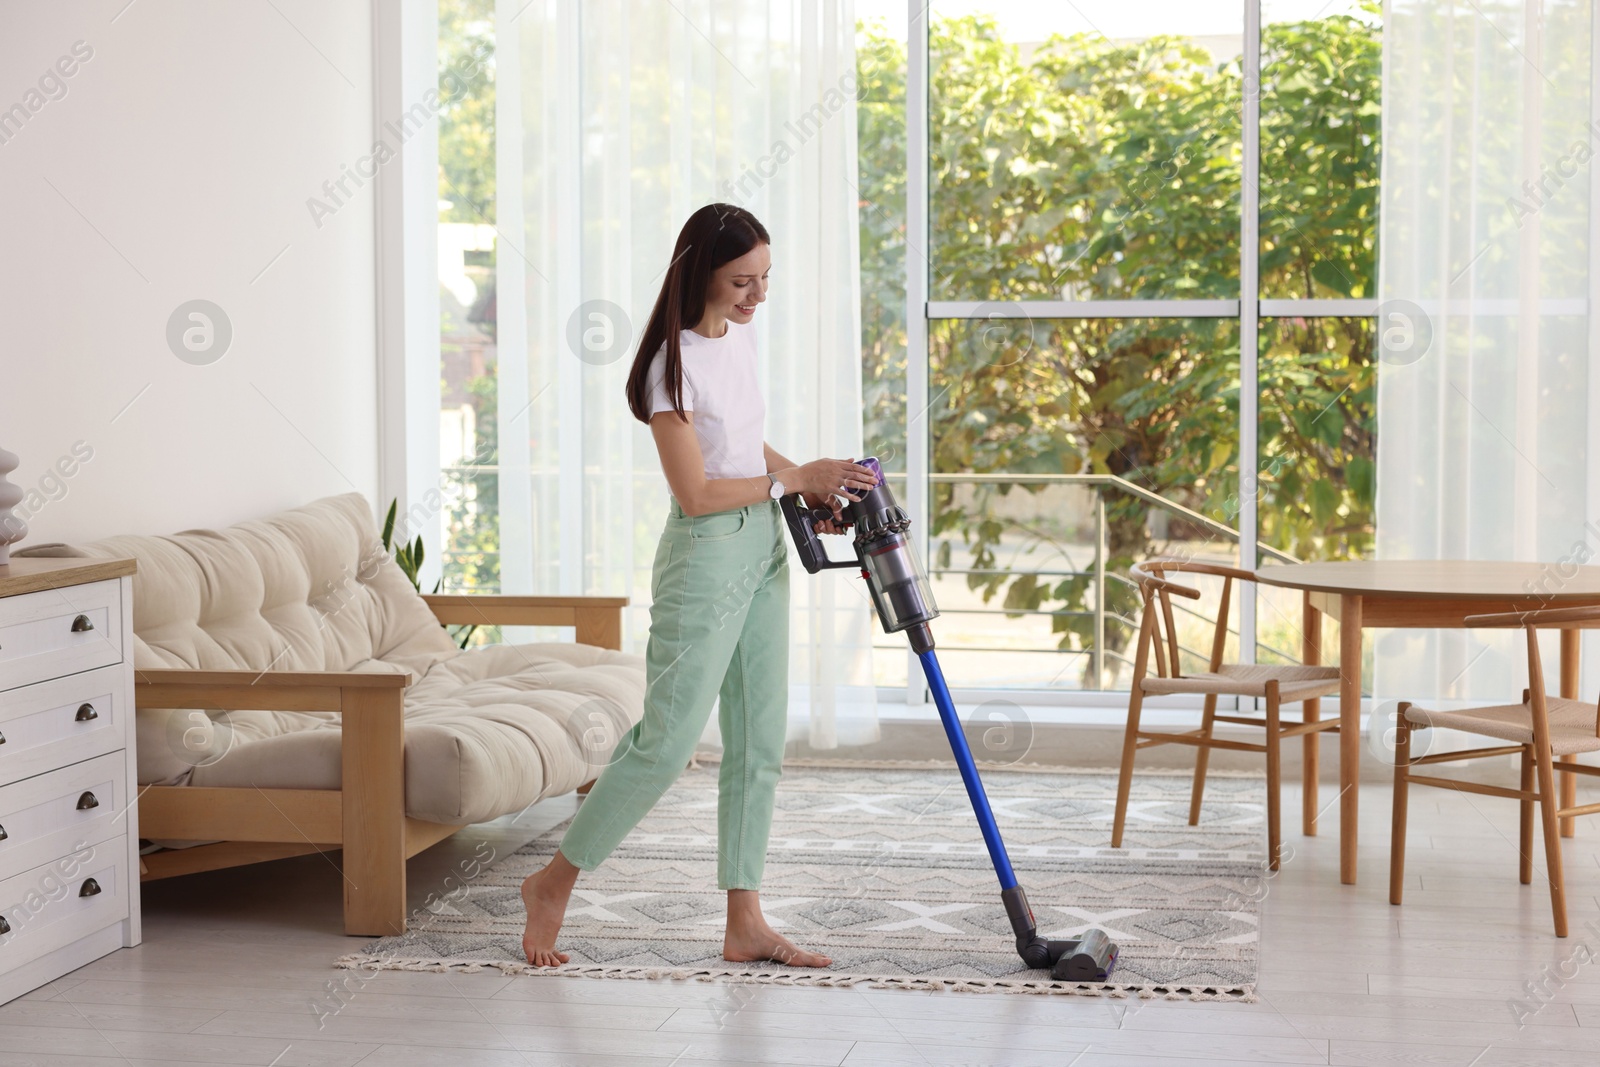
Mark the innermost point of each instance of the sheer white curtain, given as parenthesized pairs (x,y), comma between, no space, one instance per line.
(615,120)
(1487,393)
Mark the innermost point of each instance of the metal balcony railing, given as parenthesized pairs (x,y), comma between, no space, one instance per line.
(1100,653)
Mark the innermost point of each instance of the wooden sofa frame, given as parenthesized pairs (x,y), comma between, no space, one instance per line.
(366,817)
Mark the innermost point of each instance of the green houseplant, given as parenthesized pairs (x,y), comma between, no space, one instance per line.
(409,556)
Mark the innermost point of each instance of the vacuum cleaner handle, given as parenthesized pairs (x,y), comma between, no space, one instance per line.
(812,552)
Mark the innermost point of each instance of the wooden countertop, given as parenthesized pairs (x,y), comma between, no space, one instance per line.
(30,575)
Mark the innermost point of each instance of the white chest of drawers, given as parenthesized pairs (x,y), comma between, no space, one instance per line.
(69,840)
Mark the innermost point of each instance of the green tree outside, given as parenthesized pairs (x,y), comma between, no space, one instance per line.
(1103,170)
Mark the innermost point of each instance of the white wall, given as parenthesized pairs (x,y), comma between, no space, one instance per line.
(176,166)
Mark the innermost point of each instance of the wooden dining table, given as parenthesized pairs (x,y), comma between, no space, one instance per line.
(1416,594)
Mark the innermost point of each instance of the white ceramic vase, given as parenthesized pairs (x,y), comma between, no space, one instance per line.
(12,528)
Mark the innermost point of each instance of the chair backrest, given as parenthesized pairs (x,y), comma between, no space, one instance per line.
(1531,621)
(1158,632)
(1534,696)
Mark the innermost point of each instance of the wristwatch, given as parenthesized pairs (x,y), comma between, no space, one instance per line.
(777,490)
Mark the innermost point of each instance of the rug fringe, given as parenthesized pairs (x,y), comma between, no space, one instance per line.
(1240,993)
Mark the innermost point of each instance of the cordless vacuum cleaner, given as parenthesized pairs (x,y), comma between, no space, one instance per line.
(904,601)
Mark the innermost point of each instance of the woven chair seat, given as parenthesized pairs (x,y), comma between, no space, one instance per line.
(1250,680)
(1572,723)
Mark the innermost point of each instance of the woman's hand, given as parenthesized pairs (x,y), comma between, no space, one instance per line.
(822,478)
(835,525)
(822,481)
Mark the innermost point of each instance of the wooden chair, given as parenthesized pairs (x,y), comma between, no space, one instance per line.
(1275,685)
(1541,729)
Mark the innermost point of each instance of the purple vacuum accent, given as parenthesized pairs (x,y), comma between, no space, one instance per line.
(871,463)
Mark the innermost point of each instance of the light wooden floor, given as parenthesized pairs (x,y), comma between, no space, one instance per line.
(232,960)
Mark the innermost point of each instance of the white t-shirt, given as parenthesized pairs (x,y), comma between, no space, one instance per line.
(720,387)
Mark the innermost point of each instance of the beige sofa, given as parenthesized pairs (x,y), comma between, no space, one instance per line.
(296,694)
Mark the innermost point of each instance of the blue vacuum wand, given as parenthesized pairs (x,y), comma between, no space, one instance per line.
(904,601)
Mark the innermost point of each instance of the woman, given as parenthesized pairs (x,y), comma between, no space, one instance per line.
(719,621)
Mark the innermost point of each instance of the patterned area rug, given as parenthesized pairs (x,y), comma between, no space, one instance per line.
(881,867)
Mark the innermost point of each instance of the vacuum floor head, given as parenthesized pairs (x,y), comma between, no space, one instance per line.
(1092,958)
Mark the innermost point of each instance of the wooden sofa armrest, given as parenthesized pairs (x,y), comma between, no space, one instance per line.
(366,815)
(598,619)
(241,690)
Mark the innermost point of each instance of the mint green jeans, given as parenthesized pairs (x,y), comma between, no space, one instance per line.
(719,626)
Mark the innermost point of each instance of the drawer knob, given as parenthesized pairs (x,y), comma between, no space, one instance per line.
(82,624)
(90,888)
(5,927)
(87,801)
(2,739)
(3,834)
(86,712)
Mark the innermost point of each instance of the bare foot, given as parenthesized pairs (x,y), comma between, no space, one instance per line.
(545,894)
(749,938)
(769,946)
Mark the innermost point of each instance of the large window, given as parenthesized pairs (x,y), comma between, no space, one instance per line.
(1110,204)
(1117,299)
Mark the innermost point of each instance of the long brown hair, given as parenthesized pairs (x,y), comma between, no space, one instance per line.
(714,235)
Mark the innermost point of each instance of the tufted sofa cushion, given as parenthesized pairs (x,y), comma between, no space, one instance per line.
(488,731)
